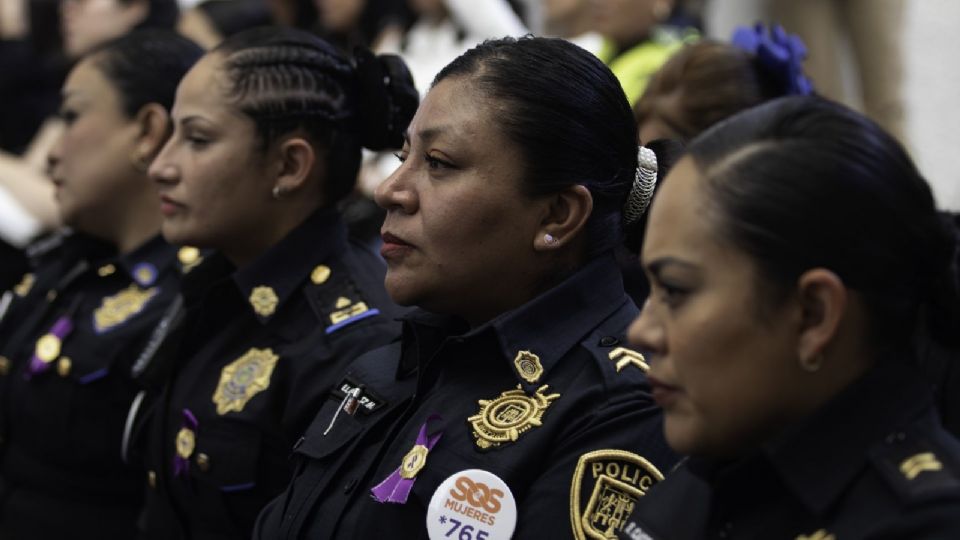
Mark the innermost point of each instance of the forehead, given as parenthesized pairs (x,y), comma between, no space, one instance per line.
(455,108)
(87,80)
(681,223)
(204,87)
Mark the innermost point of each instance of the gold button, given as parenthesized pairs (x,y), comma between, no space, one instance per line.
(152,479)
(188,255)
(64,365)
(320,274)
(106,270)
(4,365)
(203,462)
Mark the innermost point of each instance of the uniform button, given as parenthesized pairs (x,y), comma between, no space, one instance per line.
(895,437)
(4,365)
(106,270)
(152,479)
(51,296)
(203,462)
(350,485)
(63,366)
(608,341)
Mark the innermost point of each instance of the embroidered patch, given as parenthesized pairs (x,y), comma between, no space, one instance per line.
(264,300)
(605,488)
(626,357)
(528,366)
(505,418)
(119,308)
(918,463)
(244,378)
(26,283)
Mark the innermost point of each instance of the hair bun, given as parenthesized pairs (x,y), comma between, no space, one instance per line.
(388,99)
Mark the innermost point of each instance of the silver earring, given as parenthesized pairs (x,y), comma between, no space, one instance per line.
(549,239)
(812,364)
(277,192)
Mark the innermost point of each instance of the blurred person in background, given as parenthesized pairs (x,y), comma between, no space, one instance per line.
(210,22)
(351,23)
(72,328)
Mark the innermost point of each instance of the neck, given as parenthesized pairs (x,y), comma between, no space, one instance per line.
(268,232)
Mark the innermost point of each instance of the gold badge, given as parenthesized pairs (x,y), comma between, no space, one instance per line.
(186,442)
(528,366)
(819,535)
(264,300)
(26,283)
(320,274)
(914,465)
(610,482)
(48,348)
(505,418)
(415,459)
(63,366)
(626,357)
(244,378)
(119,308)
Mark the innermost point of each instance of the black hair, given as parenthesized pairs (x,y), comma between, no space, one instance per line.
(288,80)
(568,116)
(145,66)
(801,183)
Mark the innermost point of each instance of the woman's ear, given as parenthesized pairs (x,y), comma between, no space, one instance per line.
(153,127)
(565,215)
(295,159)
(823,303)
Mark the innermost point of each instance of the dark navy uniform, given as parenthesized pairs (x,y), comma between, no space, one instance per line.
(258,352)
(545,397)
(873,463)
(70,332)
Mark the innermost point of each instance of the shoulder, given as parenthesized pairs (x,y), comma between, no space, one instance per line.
(919,464)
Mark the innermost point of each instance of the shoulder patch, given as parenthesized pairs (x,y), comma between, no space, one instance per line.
(916,467)
(606,486)
(624,357)
(336,299)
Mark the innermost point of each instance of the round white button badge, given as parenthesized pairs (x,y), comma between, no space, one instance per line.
(472,505)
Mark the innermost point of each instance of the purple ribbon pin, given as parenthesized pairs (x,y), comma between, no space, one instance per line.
(48,347)
(396,488)
(186,442)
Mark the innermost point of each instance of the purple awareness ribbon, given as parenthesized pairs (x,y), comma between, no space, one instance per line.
(60,330)
(186,442)
(396,488)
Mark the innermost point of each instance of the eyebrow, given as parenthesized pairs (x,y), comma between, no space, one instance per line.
(655,266)
(192,119)
(428,134)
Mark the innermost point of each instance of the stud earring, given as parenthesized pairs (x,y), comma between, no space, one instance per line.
(549,239)
(277,192)
(812,364)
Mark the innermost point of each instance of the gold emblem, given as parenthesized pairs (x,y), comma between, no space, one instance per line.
(4,365)
(244,378)
(63,366)
(505,418)
(186,442)
(145,275)
(264,300)
(528,366)
(914,465)
(628,357)
(320,274)
(119,308)
(189,257)
(615,480)
(415,459)
(347,309)
(106,270)
(48,348)
(26,283)
(819,535)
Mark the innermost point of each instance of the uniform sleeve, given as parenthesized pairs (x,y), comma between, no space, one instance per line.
(593,479)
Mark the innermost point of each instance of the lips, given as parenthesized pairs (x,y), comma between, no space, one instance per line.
(168,206)
(394,247)
(664,394)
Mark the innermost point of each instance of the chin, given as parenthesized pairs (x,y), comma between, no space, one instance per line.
(401,293)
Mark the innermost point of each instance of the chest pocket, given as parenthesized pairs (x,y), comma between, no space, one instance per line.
(316,445)
(227,456)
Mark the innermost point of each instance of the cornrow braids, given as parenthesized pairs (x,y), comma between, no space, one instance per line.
(290,81)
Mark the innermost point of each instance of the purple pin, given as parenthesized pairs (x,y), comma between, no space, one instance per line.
(186,442)
(48,347)
(396,488)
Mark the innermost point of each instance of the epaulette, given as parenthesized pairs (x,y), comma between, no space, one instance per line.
(336,299)
(918,466)
(615,358)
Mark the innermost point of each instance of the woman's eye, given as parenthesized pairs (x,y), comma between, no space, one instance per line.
(197,142)
(436,163)
(672,296)
(68,116)
(402,156)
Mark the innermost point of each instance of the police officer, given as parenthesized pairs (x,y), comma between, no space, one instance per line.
(803,409)
(510,405)
(71,329)
(268,133)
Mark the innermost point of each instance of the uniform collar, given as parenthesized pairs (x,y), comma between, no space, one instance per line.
(546,328)
(819,459)
(145,264)
(269,281)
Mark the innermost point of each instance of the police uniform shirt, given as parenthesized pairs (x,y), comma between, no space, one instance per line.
(70,332)
(260,349)
(597,434)
(873,463)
